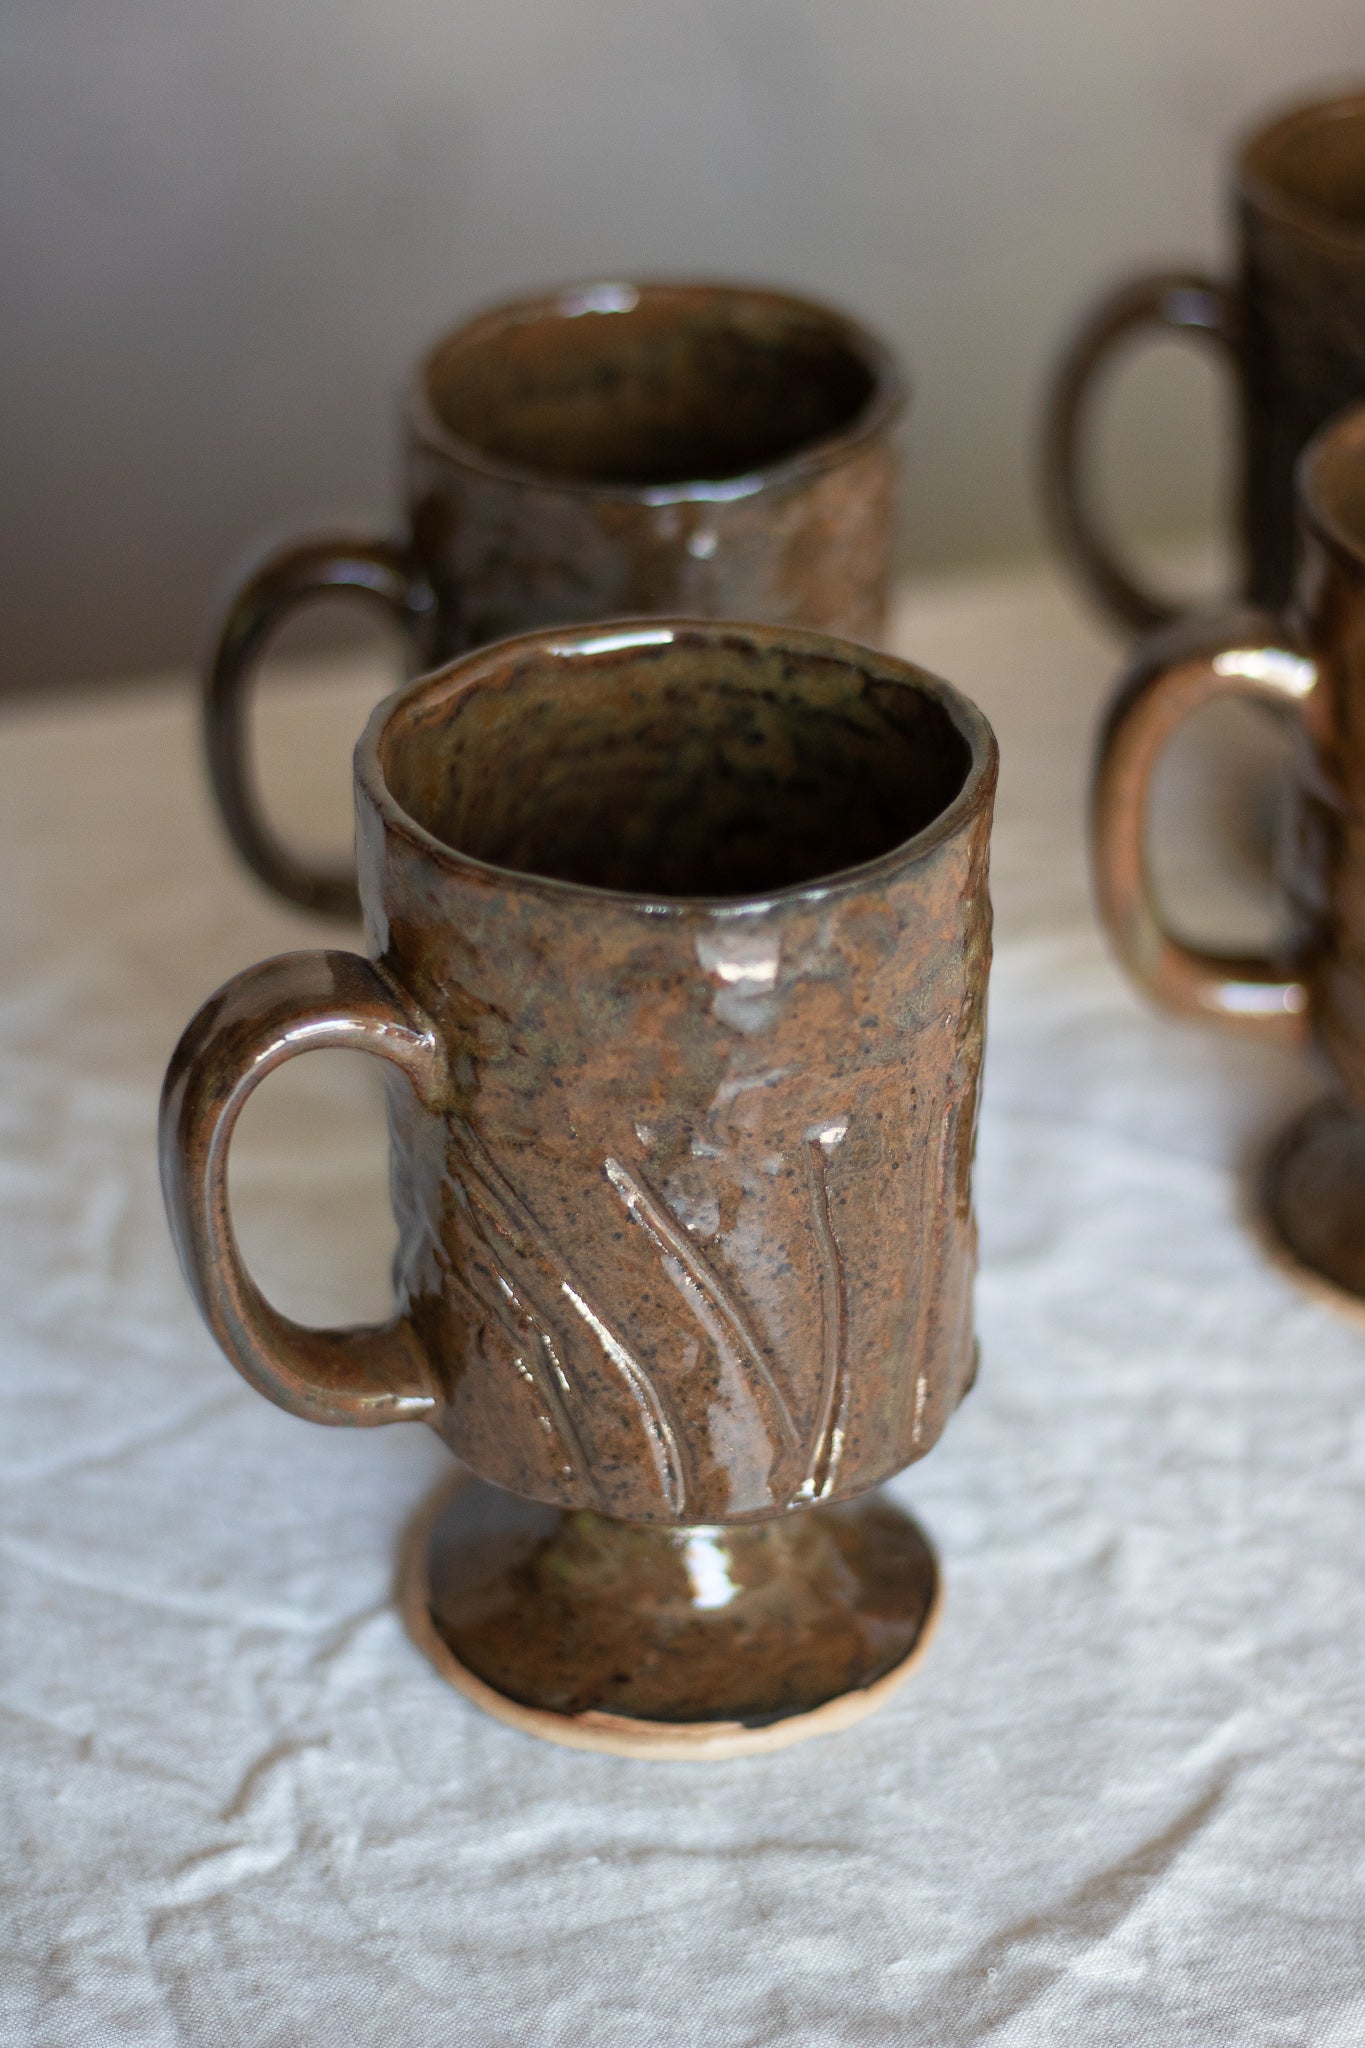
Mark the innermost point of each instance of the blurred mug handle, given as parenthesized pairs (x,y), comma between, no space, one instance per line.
(1171,302)
(296,1003)
(375,571)
(1245,654)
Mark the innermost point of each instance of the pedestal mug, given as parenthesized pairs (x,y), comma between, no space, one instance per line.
(608,449)
(680,936)
(1291,325)
(1309,663)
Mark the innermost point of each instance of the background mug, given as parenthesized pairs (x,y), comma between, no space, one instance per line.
(1292,325)
(608,450)
(1313,667)
(681,936)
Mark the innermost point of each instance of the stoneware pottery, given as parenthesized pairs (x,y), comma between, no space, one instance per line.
(1291,325)
(679,939)
(611,449)
(1313,667)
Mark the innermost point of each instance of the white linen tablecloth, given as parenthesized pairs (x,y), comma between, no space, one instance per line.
(1121,1802)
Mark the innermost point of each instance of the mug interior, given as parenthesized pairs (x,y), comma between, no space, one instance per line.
(681,763)
(640,385)
(1313,162)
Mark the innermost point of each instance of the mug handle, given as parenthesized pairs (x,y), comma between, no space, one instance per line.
(292,1004)
(1169,301)
(1245,654)
(376,571)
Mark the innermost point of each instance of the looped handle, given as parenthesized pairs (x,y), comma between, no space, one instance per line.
(293,1004)
(1172,302)
(373,570)
(1244,655)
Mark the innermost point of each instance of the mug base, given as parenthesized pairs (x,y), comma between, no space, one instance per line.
(668,1643)
(1312,1203)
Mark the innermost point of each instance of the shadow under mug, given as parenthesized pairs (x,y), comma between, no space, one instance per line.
(681,935)
(1310,665)
(1291,326)
(608,450)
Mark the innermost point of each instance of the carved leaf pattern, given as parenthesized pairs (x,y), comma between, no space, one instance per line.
(534,1282)
(714,1306)
(831,1414)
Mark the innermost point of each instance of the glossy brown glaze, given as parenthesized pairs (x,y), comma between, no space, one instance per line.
(1291,325)
(1313,668)
(752,1623)
(609,450)
(681,938)
(1172,676)
(704,1170)
(1313,1191)
(297,1003)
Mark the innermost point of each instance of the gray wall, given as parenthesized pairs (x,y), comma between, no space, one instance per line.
(226,230)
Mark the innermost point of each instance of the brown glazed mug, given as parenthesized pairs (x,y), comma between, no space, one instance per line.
(1311,665)
(1292,326)
(680,935)
(608,450)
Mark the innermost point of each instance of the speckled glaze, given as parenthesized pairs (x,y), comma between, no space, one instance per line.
(684,933)
(1310,664)
(608,450)
(1291,326)
(680,937)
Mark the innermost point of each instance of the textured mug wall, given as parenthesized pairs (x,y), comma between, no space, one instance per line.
(227,232)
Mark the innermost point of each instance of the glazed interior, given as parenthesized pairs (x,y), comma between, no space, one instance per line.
(650,385)
(699,765)
(1315,161)
(1334,480)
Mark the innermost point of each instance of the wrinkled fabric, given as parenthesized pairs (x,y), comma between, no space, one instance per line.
(1120,1803)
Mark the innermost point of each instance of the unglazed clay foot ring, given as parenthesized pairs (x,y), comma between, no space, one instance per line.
(1311,1213)
(915,1601)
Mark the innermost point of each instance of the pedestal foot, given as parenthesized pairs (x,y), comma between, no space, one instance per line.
(657,1642)
(1313,1202)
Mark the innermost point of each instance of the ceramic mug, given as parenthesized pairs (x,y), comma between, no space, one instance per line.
(1310,664)
(1291,325)
(680,935)
(610,449)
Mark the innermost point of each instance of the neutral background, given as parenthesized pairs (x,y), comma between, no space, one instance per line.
(226,230)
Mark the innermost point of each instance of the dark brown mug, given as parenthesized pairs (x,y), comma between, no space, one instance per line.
(1311,665)
(1291,326)
(608,450)
(680,938)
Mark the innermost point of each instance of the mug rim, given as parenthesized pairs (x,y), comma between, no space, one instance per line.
(468,671)
(1340,440)
(887,399)
(1259,150)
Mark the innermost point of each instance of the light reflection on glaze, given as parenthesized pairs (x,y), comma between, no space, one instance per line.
(547,1378)
(616,643)
(750,963)
(736,1347)
(483,1188)
(830,1425)
(660,1429)
(598,298)
(707,1560)
(730,1091)
(917,1419)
